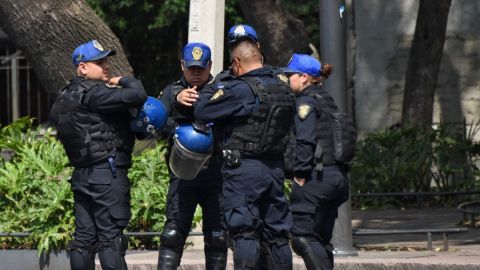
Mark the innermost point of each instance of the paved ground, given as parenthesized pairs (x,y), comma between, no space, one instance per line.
(378,252)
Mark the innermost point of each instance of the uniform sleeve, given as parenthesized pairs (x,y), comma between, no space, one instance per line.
(106,100)
(234,100)
(166,98)
(305,129)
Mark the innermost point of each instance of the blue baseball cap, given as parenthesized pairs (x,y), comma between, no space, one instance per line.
(303,63)
(240,32)
(196,54)
(90,51)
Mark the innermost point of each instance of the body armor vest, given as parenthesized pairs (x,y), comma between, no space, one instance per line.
(324,148)
(87,137)
(336,134)
(263,133)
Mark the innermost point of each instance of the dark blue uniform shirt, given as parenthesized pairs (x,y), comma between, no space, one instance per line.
(130,95)
(235,99)
(305,129)
(175,110)
(170,100)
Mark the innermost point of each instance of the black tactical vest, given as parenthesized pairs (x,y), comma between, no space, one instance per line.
(263,133)
(336,134)
(87,137)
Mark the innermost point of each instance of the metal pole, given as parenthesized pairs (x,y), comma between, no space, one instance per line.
(15,87)
(206,25)
(332,51)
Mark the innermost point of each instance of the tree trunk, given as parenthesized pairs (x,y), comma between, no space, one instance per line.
(424,62)
(48,31)
(280,34)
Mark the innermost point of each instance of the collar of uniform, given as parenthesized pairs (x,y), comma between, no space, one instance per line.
(308,89)
(256,72)
(185,84)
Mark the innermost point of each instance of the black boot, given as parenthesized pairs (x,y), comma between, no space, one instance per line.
(168,259)
(215,260)
(302,248)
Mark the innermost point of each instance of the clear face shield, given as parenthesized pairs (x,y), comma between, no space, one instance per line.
(186,164)
(191,150)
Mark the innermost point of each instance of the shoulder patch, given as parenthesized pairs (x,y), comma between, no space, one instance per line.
(303,111)
(217,94)
(282,78)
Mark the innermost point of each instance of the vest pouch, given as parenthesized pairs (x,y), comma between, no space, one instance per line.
(184,163)
(344,137)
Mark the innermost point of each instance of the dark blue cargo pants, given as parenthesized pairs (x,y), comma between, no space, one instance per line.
(102,211)
(257,215)
(315,208)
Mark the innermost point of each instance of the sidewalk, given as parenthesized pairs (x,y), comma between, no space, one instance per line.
(375,252)
(413,219)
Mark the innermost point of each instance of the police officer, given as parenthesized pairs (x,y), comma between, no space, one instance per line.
(252,114)
(205,189)
(320,182)
(92,122)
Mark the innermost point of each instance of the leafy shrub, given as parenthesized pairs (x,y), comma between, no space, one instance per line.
(414,160)
(149,187)
(35,193)
(34,189)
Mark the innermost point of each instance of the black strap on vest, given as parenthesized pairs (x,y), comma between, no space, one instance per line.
(261,133)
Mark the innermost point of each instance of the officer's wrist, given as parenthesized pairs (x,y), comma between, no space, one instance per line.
(176,97)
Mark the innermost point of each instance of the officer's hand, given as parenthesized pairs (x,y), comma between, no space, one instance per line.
(114,81)
(187,96)
(299,181)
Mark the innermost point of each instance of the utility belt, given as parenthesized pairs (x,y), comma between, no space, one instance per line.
(107,163)
(335,167)
(330,165)
(233,158)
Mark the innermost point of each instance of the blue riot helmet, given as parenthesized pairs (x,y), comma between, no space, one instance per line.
(241,32)
(151,117)
(192,147)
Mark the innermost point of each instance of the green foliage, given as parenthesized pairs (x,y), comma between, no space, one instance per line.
(34,190)
(414,160)
(35,193)
(149,187)
(153,34)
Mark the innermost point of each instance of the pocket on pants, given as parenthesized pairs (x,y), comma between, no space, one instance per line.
(241,218)
(120,214)
(100,176)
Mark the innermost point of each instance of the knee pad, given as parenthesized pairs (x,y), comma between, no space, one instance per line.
(242,261)
(82,256)
(172,239)
(274,262)
(215,240)
(121,245)
(303,248)
(112,253)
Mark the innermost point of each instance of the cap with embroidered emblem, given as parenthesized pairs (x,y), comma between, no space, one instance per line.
(240,32)
(303,63)
(196,54)
(90,51)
